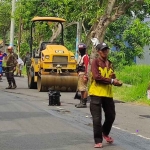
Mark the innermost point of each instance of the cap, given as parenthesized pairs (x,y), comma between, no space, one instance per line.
(9,47)
(101,46)
(82,46)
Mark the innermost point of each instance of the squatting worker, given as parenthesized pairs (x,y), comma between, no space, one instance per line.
(100,91)
(11,63)
(82,75)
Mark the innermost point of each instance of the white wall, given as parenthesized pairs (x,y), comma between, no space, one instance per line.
(146,59)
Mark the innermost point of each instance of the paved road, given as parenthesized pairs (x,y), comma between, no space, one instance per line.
(28,123)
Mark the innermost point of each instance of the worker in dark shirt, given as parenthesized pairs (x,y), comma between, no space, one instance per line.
(101,95)
(11,63)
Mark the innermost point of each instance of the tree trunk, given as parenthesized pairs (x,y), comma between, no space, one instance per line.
(56,32)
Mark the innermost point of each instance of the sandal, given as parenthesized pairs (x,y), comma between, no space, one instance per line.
(98,145)
(108,139)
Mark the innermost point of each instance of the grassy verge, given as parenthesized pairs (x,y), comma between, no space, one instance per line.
(24,71)
(136,80)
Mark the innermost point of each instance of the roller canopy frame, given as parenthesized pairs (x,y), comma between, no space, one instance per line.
(46,19)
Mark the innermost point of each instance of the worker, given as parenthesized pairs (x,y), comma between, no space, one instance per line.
(101,95)
(11,63)
(20,66)
(82,75)
(2,55)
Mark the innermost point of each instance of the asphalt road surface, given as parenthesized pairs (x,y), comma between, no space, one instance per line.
(28,123)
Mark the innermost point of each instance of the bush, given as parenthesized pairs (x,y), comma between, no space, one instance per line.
(136,79)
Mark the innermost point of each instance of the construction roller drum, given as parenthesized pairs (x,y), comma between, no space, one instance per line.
(57,82)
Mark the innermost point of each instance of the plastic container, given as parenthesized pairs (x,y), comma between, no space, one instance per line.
(54,98)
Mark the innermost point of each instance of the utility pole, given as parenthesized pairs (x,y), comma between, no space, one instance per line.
(12,26)
(78,37)
(19,35)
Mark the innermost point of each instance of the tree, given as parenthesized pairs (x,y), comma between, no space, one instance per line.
(127,36)
(96,15)
(111,10)
(5,15)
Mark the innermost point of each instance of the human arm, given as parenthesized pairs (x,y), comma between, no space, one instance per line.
(97,76)
(86,63)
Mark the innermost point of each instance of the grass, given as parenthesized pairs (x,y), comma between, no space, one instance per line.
(24,71)
(136,80)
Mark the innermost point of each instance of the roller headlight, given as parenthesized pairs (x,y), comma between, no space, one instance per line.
(46,56)
(72,57)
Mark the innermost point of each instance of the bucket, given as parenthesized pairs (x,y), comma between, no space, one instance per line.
(54,98)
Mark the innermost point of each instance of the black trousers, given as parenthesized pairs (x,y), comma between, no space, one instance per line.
(96,105)
(9,72)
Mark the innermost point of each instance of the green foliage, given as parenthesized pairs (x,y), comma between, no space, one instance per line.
(5,15)
(89,11)
(136,79)
(128,36)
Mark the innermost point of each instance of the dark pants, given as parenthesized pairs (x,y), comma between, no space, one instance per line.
(96,105)
(10,75)
(27,69)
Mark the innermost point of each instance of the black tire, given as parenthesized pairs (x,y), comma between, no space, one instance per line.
(40,87)
(31,83)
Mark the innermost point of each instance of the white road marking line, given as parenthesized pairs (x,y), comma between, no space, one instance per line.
(59,108)
(132,133)
(116,127)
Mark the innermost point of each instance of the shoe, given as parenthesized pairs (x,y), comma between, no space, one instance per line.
(80,105)
(108,139)
(14,87)
(98,145)
(9,87)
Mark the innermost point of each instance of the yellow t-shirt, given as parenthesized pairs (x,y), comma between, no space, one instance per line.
(101,85)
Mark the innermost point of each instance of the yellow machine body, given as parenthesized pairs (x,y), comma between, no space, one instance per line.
(52,59)
(52,64)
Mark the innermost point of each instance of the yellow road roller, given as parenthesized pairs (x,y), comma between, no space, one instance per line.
(52,65)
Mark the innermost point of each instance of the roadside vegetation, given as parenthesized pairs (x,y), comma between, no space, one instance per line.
(136,79)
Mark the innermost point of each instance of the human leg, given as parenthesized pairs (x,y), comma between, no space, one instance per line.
(7,73)
(83,101)
(95,109)
(109,110)
(11,77)
(82,86)
(20,69)
(0,72)
(13,80)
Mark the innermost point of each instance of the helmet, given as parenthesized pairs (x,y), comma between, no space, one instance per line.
(81,46)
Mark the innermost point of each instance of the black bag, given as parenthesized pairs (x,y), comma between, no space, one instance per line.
(80,68)
(77,95)
(54,98)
